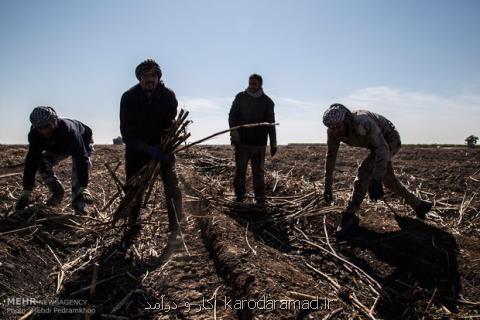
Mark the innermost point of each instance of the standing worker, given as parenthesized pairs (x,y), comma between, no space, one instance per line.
(376,133)
(147,111)
(252,106)
(52,139)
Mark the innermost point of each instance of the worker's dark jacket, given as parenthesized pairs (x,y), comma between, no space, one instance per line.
(145,119)
(71,137)
(247,109)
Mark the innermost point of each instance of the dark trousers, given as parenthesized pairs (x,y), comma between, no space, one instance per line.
(45,169)
(256,156)
(134,161)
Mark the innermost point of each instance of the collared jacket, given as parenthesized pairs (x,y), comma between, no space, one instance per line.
(367,130)
(71,137)
(247,109)
(145,119)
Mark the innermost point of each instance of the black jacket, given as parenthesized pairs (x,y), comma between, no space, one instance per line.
(144,119)
(70,138)
(245,110)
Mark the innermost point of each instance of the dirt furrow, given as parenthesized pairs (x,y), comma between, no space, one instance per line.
(266,283)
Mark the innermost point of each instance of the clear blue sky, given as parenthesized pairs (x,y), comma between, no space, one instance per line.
(416,62)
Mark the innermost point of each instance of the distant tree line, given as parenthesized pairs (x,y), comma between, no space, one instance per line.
(471,141)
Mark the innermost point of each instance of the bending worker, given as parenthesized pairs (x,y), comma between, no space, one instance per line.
(52,139)
(376,133)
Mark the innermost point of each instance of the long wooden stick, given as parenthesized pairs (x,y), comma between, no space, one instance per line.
(252,125)
(10,174)
(21,229)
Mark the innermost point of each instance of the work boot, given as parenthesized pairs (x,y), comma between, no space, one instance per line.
(422,209)
(260,200)
(239,199)
(56,198)
(347,226)
(79,211)
(134,214)
(78,205)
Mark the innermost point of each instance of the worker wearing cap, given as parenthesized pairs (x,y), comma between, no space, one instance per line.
(374,132)
(52,139)
(147,111)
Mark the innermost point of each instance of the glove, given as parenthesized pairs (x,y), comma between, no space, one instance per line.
(86,195)
(273,149)
(235,137)
(328,196)
(23,200)
(375,190)
(156,154)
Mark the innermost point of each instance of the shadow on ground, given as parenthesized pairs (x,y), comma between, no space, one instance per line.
(423,258)
(118,277)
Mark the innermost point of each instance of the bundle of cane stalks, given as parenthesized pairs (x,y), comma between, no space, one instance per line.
(139,187)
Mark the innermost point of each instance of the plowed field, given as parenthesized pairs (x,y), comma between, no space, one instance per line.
(278,261)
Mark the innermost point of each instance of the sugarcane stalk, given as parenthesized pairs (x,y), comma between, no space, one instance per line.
(117,181)
(150,188)
(251,125)
(181,130)
(180,141)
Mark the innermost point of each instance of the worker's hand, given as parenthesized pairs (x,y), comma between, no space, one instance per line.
(23,200)
(328,196)
(273,149)
(156,154)
(85,195)
(375,190)
(234,137)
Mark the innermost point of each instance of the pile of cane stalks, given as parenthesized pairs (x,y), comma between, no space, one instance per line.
(299,198)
